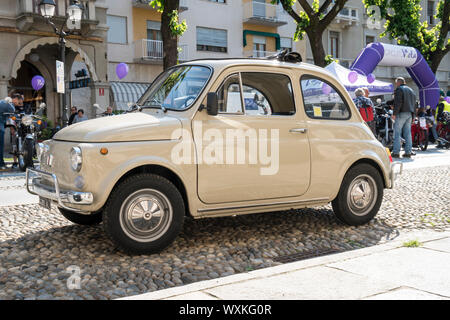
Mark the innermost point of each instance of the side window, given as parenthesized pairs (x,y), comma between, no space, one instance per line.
(267,94)
(229,95)
(322,101)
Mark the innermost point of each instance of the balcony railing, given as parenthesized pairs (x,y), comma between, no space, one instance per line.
(264,14)
(152,50)
(258,54)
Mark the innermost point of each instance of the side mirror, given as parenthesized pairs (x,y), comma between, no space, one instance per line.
(212,104)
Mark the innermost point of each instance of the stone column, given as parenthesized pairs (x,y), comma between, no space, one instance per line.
(3,89)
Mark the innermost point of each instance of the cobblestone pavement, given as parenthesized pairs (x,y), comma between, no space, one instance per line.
(37,247)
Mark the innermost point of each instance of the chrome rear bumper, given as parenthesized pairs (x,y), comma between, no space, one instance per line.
(62,197)
(394,174)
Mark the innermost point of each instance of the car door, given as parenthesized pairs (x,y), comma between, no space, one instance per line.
(257,147)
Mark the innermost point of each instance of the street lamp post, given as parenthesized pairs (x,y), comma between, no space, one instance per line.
(73,20)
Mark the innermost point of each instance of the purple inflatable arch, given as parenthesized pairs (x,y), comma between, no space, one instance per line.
(399,56)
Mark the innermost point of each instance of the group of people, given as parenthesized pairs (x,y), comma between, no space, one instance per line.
(15,104)
(77,115)
(404,110)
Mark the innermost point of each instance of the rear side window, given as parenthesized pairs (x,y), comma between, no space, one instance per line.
(322,100)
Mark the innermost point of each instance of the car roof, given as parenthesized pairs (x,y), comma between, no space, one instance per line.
(220,64)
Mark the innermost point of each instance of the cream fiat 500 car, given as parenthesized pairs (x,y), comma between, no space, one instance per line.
(214,138)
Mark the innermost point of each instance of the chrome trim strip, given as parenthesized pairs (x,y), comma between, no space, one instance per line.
(264,205)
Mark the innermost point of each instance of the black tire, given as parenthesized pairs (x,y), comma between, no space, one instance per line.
(27,158)
(130,214)
(82,219)
(345,205)
(422,144)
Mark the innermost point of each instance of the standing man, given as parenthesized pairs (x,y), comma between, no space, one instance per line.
(404,108)
(5,107)
(73,113)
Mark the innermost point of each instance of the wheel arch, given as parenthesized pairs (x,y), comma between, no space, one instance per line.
(163,172)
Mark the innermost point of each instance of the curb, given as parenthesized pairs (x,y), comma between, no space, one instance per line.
(424,236)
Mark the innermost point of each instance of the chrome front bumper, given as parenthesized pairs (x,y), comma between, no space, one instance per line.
(393,175)
(61,197)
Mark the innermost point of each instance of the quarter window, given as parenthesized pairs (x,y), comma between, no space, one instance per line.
(322,100)
(229,95)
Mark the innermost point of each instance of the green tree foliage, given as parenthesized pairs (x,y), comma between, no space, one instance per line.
(312,21)
(171,29)
(403,23)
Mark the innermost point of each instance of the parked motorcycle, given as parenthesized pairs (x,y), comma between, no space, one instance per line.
(384,125)
(27,128)
(420,132)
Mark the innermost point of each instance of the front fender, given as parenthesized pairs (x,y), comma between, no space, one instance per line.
(102,172)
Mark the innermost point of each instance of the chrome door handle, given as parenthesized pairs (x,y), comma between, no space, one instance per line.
(299,130)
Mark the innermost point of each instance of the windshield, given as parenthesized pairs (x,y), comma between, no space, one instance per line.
(177,88)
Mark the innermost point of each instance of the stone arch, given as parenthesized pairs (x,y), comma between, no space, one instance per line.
(20,56)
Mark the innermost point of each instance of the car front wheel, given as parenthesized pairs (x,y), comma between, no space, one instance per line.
(360,196)
(144,214)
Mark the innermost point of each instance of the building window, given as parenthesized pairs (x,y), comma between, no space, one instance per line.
(214,40)
(286,43)
(117,32)
(154,30)
(259,46)
(370,39)
(430,12)
(218,1)
(334,44)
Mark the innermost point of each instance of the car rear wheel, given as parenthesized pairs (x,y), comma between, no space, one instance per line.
(144,214)
(82,219)
(360,196)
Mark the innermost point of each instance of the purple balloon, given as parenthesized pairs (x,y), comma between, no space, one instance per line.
(371,78)
(353,77)
(326,89)
(122,70)
(37,83)
(447,99)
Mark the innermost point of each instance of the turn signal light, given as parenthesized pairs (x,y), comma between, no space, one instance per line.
(104,151)
(39,122)
(14,118)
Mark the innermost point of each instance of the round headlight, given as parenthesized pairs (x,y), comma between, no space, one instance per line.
(76,159)
(27,120)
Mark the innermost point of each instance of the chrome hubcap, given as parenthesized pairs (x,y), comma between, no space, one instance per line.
(362,195)
(146,215)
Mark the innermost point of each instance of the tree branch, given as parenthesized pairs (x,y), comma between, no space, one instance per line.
(308,9)
(339,5)
(445,24)
(325,6)
(290,11)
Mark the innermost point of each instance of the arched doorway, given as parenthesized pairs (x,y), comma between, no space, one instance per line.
(22,84)
(45,51)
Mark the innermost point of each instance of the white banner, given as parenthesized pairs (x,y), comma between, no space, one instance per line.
(60,83)
(398,56)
